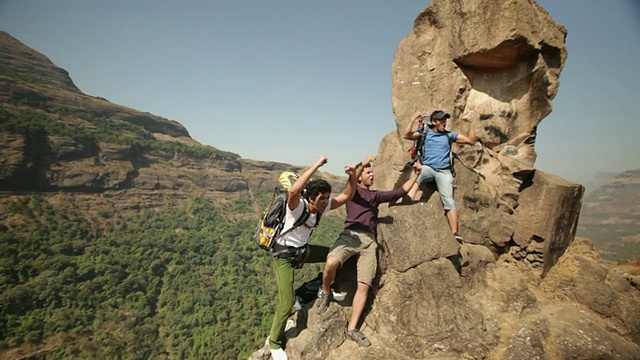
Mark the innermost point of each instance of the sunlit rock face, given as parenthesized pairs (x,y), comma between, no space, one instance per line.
(494,67)
(519,287)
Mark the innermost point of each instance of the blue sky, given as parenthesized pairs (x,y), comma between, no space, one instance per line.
(289,80)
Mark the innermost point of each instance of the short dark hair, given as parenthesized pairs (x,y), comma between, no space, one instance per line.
(364,166)
(315,187)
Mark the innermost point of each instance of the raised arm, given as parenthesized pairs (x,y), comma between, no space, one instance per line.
(361,165)
(409,133)
(295,192)
(470,138)
(417,167)
(350,189)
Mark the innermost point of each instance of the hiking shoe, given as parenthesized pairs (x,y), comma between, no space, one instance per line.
(323,301)
(358,337)
(458,237)
(336,296)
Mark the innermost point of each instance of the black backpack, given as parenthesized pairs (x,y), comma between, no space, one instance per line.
(308,291)
(418,145)
(270,224)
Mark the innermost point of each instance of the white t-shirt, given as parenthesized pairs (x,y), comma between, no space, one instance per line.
(299,236)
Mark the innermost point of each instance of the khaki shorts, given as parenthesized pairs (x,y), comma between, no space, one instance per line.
(362,243)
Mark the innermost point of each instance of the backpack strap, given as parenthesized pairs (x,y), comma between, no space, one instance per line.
(453,172)
(304,216)
(423,129)
(301,220)
(288,251)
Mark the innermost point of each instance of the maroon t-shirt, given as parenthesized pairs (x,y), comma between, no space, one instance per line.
(362,210)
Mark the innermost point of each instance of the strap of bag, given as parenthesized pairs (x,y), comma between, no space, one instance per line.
(300,221)
(451,154)
(281,251)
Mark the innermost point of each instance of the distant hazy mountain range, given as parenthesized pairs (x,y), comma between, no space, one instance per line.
(599,179)
(610,215)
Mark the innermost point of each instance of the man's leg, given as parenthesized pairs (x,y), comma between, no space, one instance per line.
(367,265)
(318,254)
(452,218)
(329,273)
(341,250)
(444,182)
(357,307)
(284,275)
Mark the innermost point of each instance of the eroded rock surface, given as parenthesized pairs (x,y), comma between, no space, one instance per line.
(519,287)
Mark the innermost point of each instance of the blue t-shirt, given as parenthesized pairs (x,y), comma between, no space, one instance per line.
(437,149)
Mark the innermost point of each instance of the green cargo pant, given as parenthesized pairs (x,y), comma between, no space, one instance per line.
(284,268)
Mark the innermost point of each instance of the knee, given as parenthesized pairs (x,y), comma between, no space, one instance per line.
(331,264)
(363,287)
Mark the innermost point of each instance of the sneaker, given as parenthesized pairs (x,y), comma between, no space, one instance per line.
(323,301)
(278,354)
(335,295)
(338,296)
(458,237)
(358,337)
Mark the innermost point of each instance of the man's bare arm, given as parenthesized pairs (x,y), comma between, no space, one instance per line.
(470,138)
(409,133)
(295,192)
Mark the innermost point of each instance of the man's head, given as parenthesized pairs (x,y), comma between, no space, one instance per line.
(366,178)
(438,120)
(317,193)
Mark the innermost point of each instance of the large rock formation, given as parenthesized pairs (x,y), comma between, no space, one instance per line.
(493,66)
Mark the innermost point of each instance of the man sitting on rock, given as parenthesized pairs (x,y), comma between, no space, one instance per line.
(436,160)
(359,238)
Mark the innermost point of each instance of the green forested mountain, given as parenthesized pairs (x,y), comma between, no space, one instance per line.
(184,282)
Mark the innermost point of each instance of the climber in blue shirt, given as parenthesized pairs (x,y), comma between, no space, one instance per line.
(436,159)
